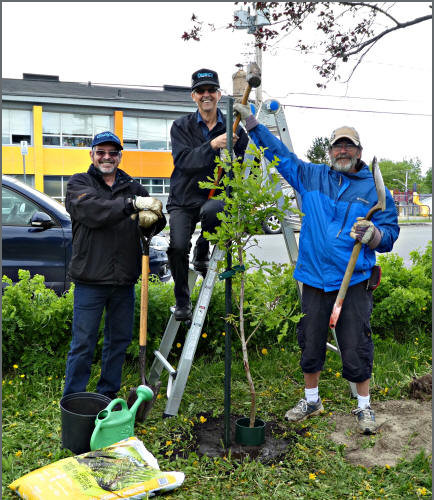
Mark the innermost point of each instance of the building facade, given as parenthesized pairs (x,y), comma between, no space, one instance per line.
(59,119)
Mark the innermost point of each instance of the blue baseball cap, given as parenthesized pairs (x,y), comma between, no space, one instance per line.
(107,137)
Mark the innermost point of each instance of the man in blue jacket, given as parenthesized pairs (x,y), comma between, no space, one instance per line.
(335,201)
(197,138)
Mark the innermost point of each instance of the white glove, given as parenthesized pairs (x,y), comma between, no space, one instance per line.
(365,231)
(147,218)
(148,203)
(247,118)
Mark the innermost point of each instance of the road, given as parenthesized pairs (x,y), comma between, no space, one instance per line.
(272,246)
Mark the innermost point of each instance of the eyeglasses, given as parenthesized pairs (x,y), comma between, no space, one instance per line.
(112,154)
(201,91)
(345,146)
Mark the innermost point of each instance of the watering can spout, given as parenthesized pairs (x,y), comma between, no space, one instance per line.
(113,426)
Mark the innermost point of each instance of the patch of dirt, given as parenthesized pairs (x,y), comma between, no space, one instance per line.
(405,427)
(209,441)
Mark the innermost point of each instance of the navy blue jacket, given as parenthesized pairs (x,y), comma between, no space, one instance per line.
(331,202)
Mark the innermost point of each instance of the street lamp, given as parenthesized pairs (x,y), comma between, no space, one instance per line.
(406,190)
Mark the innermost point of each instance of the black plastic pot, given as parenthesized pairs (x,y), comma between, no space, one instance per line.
(78,412)
(249,436)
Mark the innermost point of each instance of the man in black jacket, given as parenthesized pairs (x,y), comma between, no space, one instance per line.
(197,139)
(105,262)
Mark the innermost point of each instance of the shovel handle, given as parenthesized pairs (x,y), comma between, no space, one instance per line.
(144,301)
(244,100)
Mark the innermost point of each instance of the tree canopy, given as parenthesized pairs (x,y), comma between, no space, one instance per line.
(347,30)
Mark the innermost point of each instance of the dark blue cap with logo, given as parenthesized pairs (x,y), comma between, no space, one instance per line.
(204,77)
(107,137)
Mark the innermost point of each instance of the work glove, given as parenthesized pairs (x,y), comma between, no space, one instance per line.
(364,231)
(247,119)
(148,203)
(147,218)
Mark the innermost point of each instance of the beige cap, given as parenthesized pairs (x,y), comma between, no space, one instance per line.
(347,132)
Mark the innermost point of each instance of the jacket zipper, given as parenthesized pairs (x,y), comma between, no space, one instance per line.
(346,213)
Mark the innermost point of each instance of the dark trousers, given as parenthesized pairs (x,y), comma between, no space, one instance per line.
(89,304)
(353,331)
(182,225)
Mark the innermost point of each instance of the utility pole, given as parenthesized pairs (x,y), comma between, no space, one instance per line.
(251,22)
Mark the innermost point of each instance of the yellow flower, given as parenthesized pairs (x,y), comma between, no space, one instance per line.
(168,443)
(50,378)
(282,349)
(158,396)
(10,382)
(386,390)
(195,462)
(264,351)
(18,453)
(308,434)
(381,490)
(337,374)
(15,367)
(202,419)
(204,335)
(22,375)
(422,491)
(178,345)
(387,466)
(322,471)
(223,333)
(312,476)
(169,452)
(143,431)
(49,454)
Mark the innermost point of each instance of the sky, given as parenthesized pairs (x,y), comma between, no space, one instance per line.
(139,43)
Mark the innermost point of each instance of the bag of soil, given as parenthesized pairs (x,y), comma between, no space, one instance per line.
(122,470)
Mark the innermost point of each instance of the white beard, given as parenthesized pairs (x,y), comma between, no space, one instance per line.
(343,167)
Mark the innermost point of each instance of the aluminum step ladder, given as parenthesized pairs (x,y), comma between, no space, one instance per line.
(271,115)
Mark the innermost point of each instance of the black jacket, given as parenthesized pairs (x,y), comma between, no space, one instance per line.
(194,160)
(105,240)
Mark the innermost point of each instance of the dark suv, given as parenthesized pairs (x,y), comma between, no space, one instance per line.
(37,234)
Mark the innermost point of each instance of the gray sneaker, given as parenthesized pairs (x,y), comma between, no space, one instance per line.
(303,410)
(366,420)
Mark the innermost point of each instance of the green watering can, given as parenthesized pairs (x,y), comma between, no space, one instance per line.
(113,426)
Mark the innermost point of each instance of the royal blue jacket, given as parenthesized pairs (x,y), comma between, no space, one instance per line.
(331,202)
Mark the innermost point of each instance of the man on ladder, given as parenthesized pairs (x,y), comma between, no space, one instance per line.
(197,139)
(335,201)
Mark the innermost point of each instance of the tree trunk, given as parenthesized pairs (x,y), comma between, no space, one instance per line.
(244,349)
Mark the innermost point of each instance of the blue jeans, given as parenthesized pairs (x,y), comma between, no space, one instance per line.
(89,303)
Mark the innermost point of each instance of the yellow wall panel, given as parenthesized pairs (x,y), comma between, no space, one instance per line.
(12,160)
(59,161)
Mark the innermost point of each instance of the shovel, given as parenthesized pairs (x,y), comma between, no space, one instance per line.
(145,406)
(380,205)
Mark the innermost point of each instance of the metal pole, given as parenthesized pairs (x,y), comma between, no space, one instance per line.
(24,168)
(258,94)
(228,296)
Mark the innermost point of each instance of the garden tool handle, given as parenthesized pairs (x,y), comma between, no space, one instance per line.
(244,100)
(144,301)
(349,272)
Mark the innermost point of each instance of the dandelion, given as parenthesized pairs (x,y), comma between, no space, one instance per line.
(312,476)
(169,452)
(386,390)
(223,333)
(264,351)
(168,443)
(381,490)
(322,471)
(337,374)
(308,434)
(22,375)
(329,370)
(18,453)
(282,349)
(15,367)
(195,462)
(143,431)
(50,378)
(10,382)
(330,413)
(202,419)
(158,396)
(3,382)
(204,335)
(49,454)
(422,491)
(387,466)
(178,345)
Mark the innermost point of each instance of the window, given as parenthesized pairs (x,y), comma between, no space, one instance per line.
(16,210)
(55,186)
(147,133)
(16,126)
(155,186)
(30,178)
(74,130)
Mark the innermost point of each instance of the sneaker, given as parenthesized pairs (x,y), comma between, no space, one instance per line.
(366,420)
(303,410)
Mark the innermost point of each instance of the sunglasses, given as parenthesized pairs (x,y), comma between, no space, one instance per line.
(344,146)
(201,91)
(112,154)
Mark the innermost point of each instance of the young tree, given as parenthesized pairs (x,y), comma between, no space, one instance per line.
(252,197)
(348,30)
(318,152)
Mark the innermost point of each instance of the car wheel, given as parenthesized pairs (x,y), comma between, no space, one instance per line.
(272,225)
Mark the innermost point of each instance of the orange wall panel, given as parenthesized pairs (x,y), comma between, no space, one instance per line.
(147,163)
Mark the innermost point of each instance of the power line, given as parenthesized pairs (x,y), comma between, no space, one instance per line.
(339,96)
(355,110)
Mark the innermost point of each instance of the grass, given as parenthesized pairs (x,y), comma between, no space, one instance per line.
(314,468)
